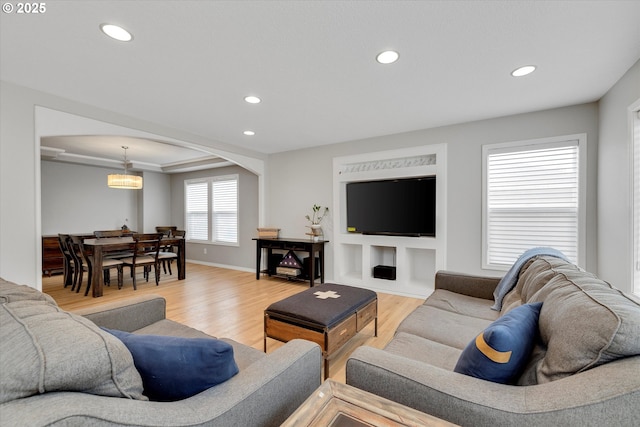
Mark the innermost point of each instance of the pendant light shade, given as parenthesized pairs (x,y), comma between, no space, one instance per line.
(124,181)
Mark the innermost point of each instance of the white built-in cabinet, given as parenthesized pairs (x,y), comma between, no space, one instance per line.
(416,258)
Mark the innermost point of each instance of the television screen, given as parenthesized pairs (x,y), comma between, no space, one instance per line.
(403,207)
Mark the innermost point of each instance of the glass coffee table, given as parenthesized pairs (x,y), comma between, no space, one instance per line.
(339,405)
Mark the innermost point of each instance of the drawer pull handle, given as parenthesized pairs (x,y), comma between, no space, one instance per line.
(342,332)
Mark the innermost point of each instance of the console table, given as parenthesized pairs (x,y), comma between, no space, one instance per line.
(301,245)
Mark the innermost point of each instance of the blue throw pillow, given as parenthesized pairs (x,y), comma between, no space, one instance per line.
(501,351)
(174,368)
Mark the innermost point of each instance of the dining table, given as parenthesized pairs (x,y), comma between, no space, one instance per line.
(102,247)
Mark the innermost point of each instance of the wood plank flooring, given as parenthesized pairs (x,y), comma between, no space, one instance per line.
(231,303)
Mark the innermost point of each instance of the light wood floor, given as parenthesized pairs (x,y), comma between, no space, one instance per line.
(230,303)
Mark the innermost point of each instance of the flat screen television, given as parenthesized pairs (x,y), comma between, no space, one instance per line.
(399,207)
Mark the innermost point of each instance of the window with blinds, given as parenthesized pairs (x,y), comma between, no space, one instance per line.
(225,210)
(531,199)
(197,210)
(211,209)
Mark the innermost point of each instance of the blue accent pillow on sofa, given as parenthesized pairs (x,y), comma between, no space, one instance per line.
(501,352)
(174,368)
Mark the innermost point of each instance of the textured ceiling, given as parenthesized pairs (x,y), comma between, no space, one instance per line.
(313,62)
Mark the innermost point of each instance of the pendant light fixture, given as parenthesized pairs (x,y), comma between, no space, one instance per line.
(127,182)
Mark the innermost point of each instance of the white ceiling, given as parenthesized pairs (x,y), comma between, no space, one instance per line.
(191,63)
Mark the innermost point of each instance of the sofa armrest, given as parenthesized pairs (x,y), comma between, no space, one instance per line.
(127,315)
(466,284)
(263,394)
(606,395)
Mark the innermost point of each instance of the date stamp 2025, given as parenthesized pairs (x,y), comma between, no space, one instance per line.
(25,8)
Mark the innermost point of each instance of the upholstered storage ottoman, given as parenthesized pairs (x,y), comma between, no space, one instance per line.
(328,314)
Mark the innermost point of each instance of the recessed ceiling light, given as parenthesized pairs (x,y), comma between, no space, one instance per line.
(523,71)
(387,57)
(249,132)
(116,32)
(252,99)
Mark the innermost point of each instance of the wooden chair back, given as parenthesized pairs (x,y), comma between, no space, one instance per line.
(100,234)
(166,229)
(147,245)
(63,243)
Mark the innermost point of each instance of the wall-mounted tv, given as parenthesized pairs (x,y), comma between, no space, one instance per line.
(399,207)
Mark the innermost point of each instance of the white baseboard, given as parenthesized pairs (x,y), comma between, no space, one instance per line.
(230,267)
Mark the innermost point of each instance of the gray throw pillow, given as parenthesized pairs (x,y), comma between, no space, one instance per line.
(584,323)
(47,349)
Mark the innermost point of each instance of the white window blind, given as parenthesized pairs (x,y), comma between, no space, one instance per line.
(225,210)
(197,218)
(211,209)
(531,199)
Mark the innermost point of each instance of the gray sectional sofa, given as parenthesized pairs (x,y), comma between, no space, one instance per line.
(60,368)
(583,371)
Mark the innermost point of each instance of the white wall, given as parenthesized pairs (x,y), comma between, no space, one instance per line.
(614,182)
(155,206)
(76,199)
(19,204)
(298,179)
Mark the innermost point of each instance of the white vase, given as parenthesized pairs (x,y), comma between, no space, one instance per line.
(316,232)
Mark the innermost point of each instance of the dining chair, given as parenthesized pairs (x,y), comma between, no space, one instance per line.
(68,264)
(166,254)
(79,265)
(104,234)
(87,264)
(145,254)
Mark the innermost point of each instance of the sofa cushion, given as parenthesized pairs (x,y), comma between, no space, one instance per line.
(175,368)
(501,351)
(584,323)
(423,350)
(462,304)
(47,349)
(535,274)
(11,292)
(437,325)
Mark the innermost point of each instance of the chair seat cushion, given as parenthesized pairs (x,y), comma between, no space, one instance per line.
(167,255)
(175,368)
(110,262)
(139,260)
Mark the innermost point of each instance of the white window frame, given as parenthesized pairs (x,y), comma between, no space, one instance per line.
(211,220)
(536,144)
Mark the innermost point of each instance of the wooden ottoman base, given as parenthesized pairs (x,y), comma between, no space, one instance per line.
(283,327)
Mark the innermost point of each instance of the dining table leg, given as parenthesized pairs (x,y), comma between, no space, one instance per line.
(181,259)
(96,280)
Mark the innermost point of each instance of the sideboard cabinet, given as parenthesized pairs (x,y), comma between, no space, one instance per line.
(52,259)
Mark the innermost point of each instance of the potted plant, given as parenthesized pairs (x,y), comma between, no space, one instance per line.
(316,218)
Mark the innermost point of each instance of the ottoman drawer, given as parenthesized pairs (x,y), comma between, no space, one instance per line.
(284,332)
(338,335)
(366,315)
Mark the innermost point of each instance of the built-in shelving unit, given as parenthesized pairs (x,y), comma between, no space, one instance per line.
(416,258)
